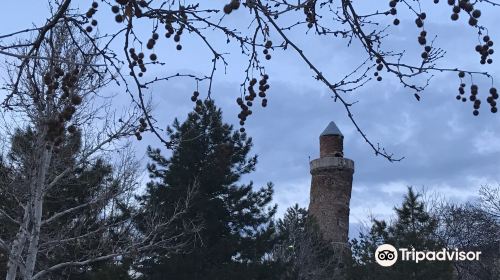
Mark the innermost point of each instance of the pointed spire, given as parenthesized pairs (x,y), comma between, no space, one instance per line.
(331,129)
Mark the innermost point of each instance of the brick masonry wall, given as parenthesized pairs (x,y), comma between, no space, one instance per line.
(329,201)
(330,144)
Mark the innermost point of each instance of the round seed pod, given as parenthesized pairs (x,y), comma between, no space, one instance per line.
(119,18)
(228,9)
(472,21)
(235,4)
(419,22)
(476,13)
(76,99)
(71,129)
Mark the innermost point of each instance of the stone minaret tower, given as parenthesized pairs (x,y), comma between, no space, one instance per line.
(331,188)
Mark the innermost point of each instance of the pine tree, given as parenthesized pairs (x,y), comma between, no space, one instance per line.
(300,251)
(237,220)
(76,188)
(7,204)
(413,228)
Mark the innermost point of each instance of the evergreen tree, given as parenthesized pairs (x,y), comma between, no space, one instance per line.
(413,228)
(7,203)
(79,187)
(300,251)
(210,158)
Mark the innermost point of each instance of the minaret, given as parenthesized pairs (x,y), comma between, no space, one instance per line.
(331,186)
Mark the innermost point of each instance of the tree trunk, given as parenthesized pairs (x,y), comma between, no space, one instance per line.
(39,192)
(28,235)
(17,247)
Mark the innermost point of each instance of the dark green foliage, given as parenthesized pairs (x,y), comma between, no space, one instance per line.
(209,159)
(300,251)
(8,205)
(91,182)
(413,228)
(104,271)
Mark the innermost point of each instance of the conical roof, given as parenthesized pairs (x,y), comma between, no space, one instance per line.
(332,129)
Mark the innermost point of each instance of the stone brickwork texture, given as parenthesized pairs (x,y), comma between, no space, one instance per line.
(330,145)
(329,201)
(331,186)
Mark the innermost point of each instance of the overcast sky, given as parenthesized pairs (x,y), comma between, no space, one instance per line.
(446,148)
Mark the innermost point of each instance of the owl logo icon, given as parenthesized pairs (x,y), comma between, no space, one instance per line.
(386,255)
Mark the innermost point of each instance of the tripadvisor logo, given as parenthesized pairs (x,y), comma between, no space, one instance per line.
(387,255)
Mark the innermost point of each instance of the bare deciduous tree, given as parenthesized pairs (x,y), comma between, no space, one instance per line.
(63,134)
(267,26)
(473,227)
(301,250)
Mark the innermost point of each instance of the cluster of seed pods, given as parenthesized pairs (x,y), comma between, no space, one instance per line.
(66,82)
